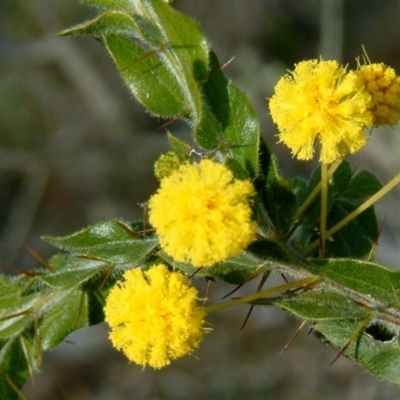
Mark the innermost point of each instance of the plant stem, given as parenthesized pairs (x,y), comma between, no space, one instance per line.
(265,293)
(373,199)
(324,208)
(307,202)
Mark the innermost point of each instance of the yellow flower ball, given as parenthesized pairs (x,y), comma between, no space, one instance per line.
(321,101)
(383,84)
(202,214)
(154,316)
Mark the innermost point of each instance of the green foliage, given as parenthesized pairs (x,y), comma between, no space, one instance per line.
(277,192)
(346,192)
(34,317)
(165,61)
(354,293)
(112,241)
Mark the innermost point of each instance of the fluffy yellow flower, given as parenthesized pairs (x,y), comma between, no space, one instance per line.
(154,317)
(383,84)
(319,100)
(202,214)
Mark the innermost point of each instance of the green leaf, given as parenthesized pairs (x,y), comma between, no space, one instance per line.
(271,251)
(235,270)
(380,284)
(311,223)
(358,237)
(30,325)
(39,310)
(337,184)
(112,241)
(340,180)
(108,23)
(178,146)
(242,134)
(66,312)
(118,5)
(164,68)
(356,308)
(259,256)
(381,358)
(362,186)
(15,309)
(237,168)
(15,367)
(320,304)
(346,193)
(277,192)
(71,272)
(238,132)
(163,57)
(149,80)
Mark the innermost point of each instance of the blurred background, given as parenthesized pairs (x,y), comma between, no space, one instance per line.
(75,148)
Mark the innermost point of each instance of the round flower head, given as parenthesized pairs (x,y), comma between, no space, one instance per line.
(383,84)
(319,100)
(202,214)
(154,317)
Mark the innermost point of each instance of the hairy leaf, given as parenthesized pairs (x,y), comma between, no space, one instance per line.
(112,241)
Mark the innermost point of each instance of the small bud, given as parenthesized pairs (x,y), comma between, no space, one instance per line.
(168,163)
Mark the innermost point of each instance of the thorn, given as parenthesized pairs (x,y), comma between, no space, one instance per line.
(110,269)
(145,231)
(248,279)
(194,273)
(209,282)
(247,317)
(15,315)
(234,290)
(99,39)
(284,278)
(99,298)
(80,308)
(144,223)
(215,71)
(299,329)
(28,362)
(14,387)
(145,56)
(130,232)
(354,336)
(376,241)
(223,66)
(308,286)
(37,339)
(38,258)
(259,287)
(394,292)
(178,117)
(27,273)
